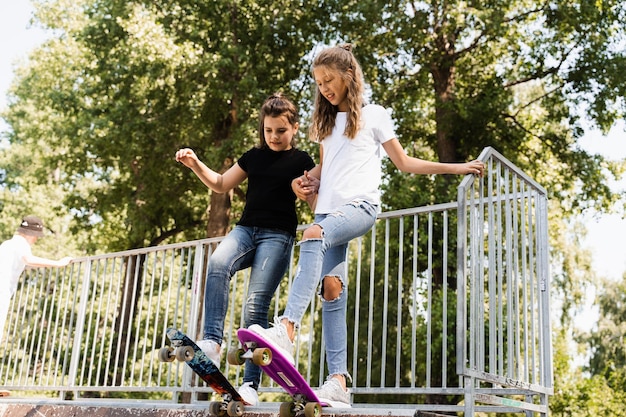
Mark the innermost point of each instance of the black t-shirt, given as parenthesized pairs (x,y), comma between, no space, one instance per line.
(270,201)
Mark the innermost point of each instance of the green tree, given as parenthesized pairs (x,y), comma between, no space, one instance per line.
(125,84)
(26,188)
(515,75)
(578,394)
(607,341)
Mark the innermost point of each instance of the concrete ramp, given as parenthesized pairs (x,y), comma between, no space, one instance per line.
(51,410)
(36,408)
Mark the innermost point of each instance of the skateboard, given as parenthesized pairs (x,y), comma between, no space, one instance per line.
(4,393)
(185,350)
(260,352)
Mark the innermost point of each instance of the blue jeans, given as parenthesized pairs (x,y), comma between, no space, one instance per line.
(327,257)
(267,253)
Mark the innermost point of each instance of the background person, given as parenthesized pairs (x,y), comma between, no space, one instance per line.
(15,256)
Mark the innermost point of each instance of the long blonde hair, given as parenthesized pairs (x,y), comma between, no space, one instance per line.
(341,60)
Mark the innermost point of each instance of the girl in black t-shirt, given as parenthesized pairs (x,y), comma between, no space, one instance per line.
(265,233)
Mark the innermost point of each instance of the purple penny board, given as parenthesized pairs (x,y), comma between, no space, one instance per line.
(280,369)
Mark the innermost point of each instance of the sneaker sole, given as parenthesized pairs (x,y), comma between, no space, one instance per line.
(335,404)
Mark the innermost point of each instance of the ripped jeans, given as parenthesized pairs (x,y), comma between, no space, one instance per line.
(327,257)
(267,252)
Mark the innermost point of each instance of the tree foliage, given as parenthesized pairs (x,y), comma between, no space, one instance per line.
(517,76)
(580,395)
(124,84)
(607,341)
(128,83)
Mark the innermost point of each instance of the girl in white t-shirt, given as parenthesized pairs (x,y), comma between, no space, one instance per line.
(350,134)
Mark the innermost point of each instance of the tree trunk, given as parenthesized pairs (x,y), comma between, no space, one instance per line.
(219,214)
(443,71)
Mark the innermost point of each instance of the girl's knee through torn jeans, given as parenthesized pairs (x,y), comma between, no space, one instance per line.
(323,257)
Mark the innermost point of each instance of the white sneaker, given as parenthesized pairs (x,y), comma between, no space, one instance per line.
(249,394)
(278,337)
(332,393)
(212,349)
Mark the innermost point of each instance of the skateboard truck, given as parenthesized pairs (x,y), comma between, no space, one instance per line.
(176,351)
(259,356)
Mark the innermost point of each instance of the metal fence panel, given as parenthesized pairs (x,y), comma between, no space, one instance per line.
(503,324)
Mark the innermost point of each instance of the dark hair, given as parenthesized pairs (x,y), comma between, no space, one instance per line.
(274,106)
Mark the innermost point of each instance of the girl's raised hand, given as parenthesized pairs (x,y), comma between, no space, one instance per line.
(186,157)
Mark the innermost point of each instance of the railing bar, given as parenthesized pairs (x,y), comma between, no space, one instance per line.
(504,279)
(131,345)
(511,245)
(148,369)
(444,309)
(534,288)
(370,318)
(91,322)
(477,236)
(70,328)
(383,359)
(524,281)
(399,301)
(517,207)
(30,324)
(429,301)
(357,311)
(122,316)
(462,282)
(414,302)
(41,312)
(494,266)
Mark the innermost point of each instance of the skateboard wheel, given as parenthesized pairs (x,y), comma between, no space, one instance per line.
(262,356)
(184,353)
(234,357)
(165,354)
(287,409)
(215,408)
(235,409)
(312,410)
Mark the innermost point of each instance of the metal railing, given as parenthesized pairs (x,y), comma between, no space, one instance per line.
(448,311)
(503,313)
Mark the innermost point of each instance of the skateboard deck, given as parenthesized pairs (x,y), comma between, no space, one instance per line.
(4,393)
(278,367)
(185,349)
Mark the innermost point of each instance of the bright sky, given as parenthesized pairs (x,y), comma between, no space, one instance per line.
(17,38)
(606,234)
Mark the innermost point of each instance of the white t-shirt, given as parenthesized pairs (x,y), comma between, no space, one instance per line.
(12,254)
(351,168)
